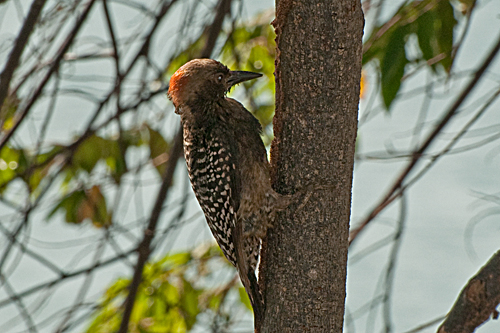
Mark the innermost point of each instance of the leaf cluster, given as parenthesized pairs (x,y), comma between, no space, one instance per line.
(174,291)
(432,22)
(82,195)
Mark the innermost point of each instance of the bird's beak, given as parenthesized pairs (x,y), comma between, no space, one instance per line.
(236,77)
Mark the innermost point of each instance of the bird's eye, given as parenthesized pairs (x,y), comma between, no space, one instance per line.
(219,78)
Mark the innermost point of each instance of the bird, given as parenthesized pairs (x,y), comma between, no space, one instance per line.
(227,165)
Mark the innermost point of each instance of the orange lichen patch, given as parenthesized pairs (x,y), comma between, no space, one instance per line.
(362,85)
(177,81)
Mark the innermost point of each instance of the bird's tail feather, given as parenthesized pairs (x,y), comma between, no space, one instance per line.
(248,277)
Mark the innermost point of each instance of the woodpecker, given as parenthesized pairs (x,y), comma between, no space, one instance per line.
(227,165)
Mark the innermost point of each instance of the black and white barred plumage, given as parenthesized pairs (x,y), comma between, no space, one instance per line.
(212,173)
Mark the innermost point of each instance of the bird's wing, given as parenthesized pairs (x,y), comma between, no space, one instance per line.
(217,186)
(242,262)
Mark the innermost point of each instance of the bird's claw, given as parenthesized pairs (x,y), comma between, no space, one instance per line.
(307,192)
(260,232)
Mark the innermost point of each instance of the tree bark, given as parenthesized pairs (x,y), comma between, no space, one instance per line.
(318,71)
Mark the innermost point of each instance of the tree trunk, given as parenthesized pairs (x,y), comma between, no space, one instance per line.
(318,71)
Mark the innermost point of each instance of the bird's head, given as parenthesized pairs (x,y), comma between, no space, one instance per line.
(204,80)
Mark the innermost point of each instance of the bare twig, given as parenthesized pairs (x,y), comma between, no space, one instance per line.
(423,326)
(65,276)
(223,8)
(79,299)
(19,303)
(35,256)
(391,267)
(465,30)
(17,50)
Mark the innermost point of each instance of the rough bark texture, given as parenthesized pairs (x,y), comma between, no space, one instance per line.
(318,70)
(477,301)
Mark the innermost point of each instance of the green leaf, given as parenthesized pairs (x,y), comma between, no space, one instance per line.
(425,33)
(158,148)
(44,162)
(265,113)
(115,158)
(95,149)
(444,32)
(214,301)
(169,298)
(89,153)
(107,320)
(69,204)
(118,289)
(392,66)
(8,111)
(432,21)
(435,34)
(244,298)
(81,205)
(133,137)
(189,303)
(9,163)
(252,47)
(376,45)
(179,259)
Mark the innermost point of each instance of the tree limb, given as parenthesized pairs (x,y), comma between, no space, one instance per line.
(477,301)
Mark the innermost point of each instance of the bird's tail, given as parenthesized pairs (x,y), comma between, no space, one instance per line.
(255,295)
(248,277)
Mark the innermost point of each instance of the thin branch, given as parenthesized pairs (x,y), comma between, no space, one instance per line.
(223,8)
(370,249)
(43,261)
(48,117)
(428,324)
(116,53)
(17,50)
(19,303)
(65,276)
(80,297)
(465,31)
(13,238)
(391,267)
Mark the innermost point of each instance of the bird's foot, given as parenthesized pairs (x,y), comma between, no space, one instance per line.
(303,195)
(259,232)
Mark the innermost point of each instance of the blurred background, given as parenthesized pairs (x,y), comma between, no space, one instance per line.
(86,131)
